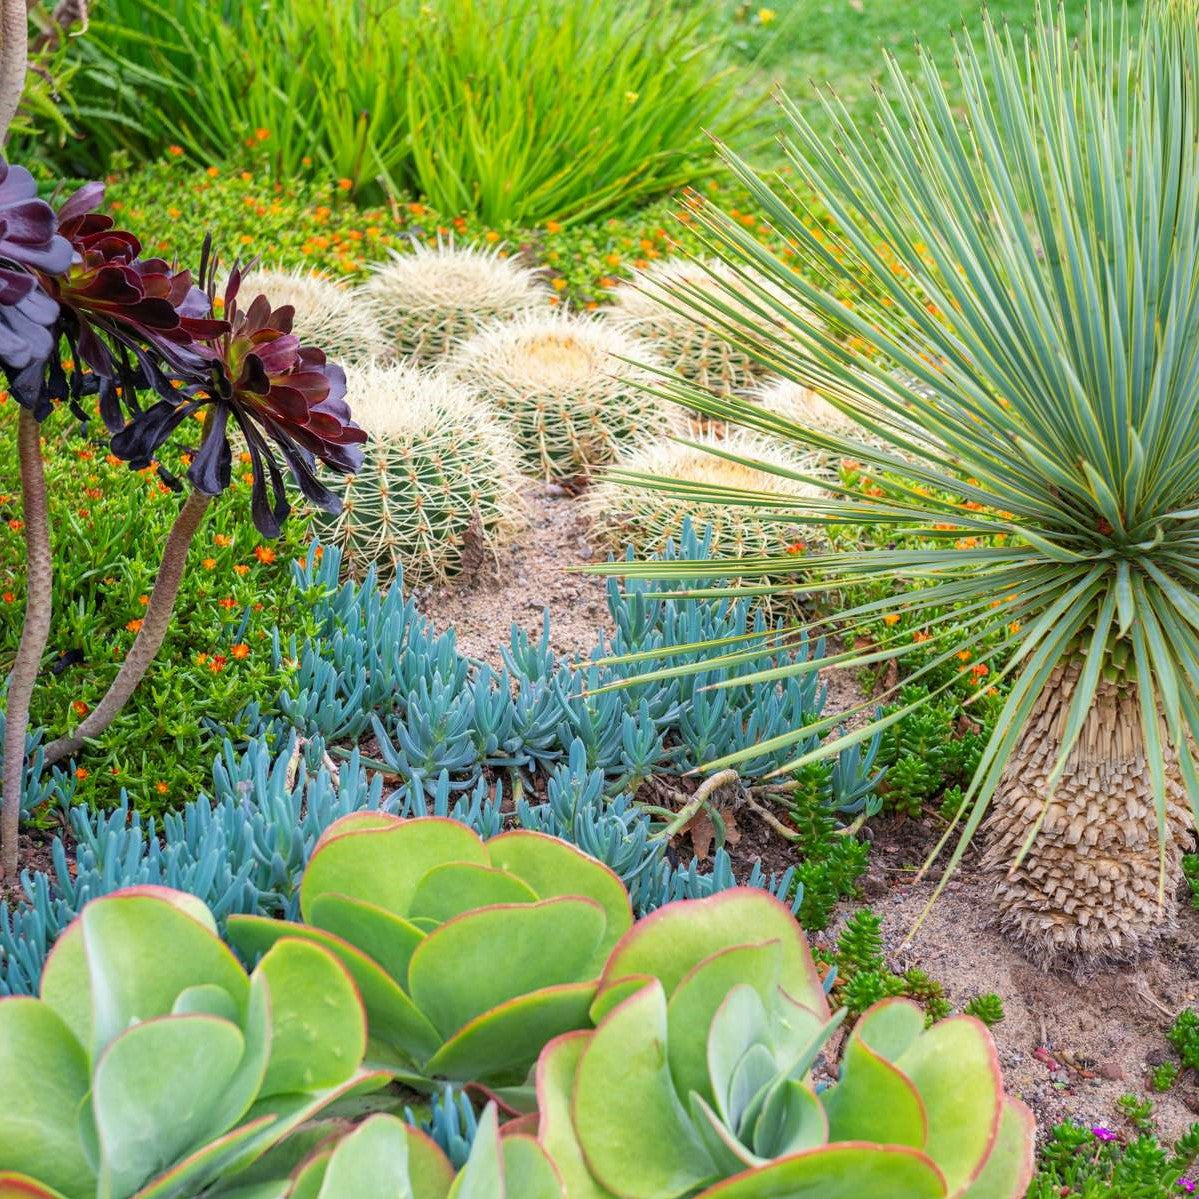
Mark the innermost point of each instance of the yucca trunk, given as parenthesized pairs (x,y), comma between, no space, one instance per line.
(1087,891)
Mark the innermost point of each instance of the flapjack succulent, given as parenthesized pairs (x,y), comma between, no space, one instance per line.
(470,956)
(151,1065)
(698,1080)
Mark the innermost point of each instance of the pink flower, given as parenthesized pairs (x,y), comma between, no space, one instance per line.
(1102,1134)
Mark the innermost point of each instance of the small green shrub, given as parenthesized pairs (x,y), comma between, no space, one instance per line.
(1163,1076)
(1093,1163)
(929,753)
(1184,1037)
(987,1007)
(107,523)
(831,862)
(1190,871)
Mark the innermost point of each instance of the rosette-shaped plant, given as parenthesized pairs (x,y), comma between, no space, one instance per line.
(567,388)
(151,1065)
(130,320)
(469,956)
(277,391)
(385,1159)
(439,484)
(28,243)
(328,313)
(429,299)
(699,1079)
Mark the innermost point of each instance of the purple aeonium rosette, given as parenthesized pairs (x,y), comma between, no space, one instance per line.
(132,322)
(28,243)
(279,394)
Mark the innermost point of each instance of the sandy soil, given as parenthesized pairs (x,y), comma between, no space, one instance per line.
(529,576)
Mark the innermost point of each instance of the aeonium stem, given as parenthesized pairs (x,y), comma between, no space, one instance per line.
(34,634)
(14,52)
(149,637)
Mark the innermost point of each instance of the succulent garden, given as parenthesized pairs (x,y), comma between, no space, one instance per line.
(599,600)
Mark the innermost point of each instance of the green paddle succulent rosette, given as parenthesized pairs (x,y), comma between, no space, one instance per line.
(470,956)
(385,1159)
(152,1066)
(701,1078)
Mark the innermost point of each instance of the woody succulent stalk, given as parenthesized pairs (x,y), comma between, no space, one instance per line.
(14,54)
(28,243)
(278,394)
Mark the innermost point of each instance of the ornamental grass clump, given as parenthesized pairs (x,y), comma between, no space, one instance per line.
(624,514)
(700,350)
(698,1078)
(567,388)
(325,313)
(152,1065)
(469,956)
(1030,299)
(428,299)
(438,491)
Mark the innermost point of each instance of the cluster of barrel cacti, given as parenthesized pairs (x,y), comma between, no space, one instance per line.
(469,378)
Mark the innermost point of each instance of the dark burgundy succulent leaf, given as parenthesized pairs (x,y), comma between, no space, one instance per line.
(28,244)
(279,394)
(134,322)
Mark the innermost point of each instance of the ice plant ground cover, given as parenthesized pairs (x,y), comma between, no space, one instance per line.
(597,900)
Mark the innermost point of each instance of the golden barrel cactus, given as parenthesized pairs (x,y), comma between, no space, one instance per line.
(428,300)
(439,488)
(567,387)
(624,514)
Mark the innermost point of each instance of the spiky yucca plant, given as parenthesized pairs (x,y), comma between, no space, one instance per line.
(649,306)
(429,299)
(328,313)
(439,486)
(565,387)
(624,514)
(1026,270)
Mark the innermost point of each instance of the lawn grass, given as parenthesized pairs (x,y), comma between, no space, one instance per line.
(840,43)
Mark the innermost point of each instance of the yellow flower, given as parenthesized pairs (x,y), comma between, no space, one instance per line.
(766,15)
(631,97)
